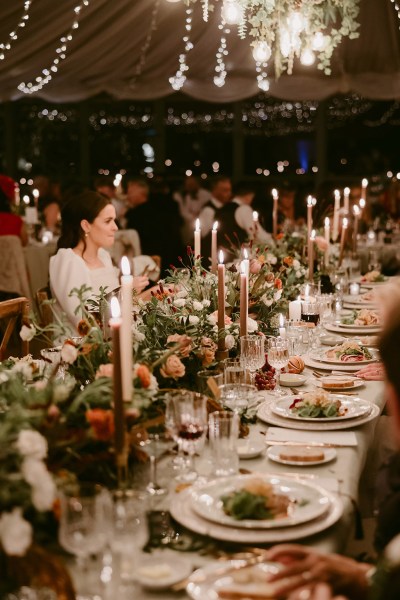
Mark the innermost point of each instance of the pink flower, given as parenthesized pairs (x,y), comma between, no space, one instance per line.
(207,351)
(173,367)
(214,317)
(321,243)
(184,341)
(105,371)
(255,266)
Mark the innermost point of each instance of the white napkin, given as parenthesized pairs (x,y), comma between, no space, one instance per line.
(341,438)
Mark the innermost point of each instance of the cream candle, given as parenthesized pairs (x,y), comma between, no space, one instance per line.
(214,246)
(364,185)
(282,328)
(327,239)
(356,213)
(275,198)
(309,216)
(346,199)
(221,302)
(343,239)
(295,310)
(311,256)
(119,412)
(246,262)
(197,239)
(255,224)
(335,226)
(126,330)
(244,299)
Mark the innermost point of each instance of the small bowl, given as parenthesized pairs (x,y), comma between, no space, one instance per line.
(176,569)
(292,379)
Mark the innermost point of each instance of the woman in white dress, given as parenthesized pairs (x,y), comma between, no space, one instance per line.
(88,227)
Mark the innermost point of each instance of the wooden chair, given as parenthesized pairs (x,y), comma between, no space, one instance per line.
(45,313)
(13,312)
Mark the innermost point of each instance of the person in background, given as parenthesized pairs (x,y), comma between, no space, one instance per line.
(190,199)
(50,213)
(221,194)
(10,224)
(137,193)
(105,185)
(88,228)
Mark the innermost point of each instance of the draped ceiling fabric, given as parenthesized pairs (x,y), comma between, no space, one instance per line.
(106,49)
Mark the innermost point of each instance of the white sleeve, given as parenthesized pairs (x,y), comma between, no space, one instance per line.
(67,271)
(206,218)
(244,218)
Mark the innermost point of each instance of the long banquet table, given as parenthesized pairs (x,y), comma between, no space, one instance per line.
(346,470)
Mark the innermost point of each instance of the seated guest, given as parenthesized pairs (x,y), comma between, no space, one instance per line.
(105,185)
(10,224)
(221,194)
(88,227)
(49,210)
(190,199)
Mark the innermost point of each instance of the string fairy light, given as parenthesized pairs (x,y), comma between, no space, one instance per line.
(61,52)
(143,52)
(222,52)
(179,78)
(13,35)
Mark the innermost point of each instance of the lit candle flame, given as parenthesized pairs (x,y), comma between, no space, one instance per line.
(275,194)
(356,210)
(197,224)
(35,193)
(26,199)
(347,191)
(309,201)
(215,226)
(115,308)
(345,223)
(221,257)
(314,201)
(313,234)
(364,183)
(337,194)
(362,203)
(255,215)
(327,223)
(245,254)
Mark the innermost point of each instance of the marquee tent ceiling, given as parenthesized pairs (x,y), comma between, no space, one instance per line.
(114,51)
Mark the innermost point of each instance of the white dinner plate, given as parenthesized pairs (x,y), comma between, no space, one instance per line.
(207,582)
(274,452)
(355,407)
(372,284)
(331,340)
(266,415)
(351,325)
(336,369)
(357,384)
(149,572)
(308,502)
(321,357)
(337,328)
(183,513)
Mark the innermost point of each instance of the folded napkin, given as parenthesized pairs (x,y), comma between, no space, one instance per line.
(341,438)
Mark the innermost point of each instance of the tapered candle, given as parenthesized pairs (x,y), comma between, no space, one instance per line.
(310,203)
(126,330)
(255,224)
(282,328)
(356,213)
(197,239)
(364,185)
(119,412)
(275,198)
(244,299)
(246,262)
(335,227)
(311,256)
(221,302)
(214,246)
(362,205)
(327,239)
(346,199)
(343,239)
(295,310)
(17,197)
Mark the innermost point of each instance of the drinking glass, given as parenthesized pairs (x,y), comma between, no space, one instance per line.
(209,381)
(298,338)
(252,353)
(188,422)
(223,428)
(310,312)
(155,445)
(237,396)
(234,371)
(373,261)
(278,357)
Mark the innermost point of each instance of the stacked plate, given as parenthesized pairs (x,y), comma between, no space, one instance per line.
(311,510)
(360,301)
(323,360)
(355,412)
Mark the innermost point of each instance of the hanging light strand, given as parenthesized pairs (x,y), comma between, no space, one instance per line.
(222,53)
(143,52)
(61,53)
(179,78)
(13,35)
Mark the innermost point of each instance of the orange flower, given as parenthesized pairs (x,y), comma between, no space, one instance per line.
(173,367)
(278,284)
(83,327)
(288,261)
(143,374)
(280,235)
(101,422)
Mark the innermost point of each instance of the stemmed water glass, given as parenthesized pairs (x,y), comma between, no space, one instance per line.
(278,357)
(252,353)
(155,445)
(187,422)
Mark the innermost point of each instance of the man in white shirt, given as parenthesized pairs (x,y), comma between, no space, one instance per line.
(190,199)
(221,194)
(243,215)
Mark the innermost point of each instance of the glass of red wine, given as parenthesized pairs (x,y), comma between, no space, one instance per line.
(187,421)
(310,312)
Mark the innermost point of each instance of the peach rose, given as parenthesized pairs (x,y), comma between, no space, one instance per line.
(207,352)
(184,342)
(321,243)
(214,317)
(255,266)
(278,283)
(288,261)
(173,367)
(101,422)
(105,371)
(143,375)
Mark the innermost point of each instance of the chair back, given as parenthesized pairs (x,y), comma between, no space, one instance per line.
(13,272)
(45,313)
(13,312)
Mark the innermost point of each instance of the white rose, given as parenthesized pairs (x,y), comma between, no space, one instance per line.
(229,341)
(271,259)
(252,325)
(179,302)
(43,495)
(15,533)
(34,471)
(32,443)
(212,319)
(295,264)
(22,367)
(299,273)
(206,303)
(27,333)
(137,335)
(3,377)
(277,295)
(69,353)
(193,320)
(182,294)
(197,305)
(61,392)
(268,301)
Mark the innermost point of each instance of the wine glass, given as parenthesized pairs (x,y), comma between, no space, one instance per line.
(155,445)
(187,419)
(278,357)
(252,354)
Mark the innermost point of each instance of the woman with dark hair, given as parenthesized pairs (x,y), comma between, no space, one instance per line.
(88,227)
(10,224)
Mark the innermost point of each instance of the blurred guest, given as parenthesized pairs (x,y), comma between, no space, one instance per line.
(88,228)
(221,194)
(50,213)
(10,224)
(190,199)
(105,185)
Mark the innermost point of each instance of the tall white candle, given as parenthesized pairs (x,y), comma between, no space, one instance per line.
(255,224)
(275,198)
(356,213)
(346,199)
(119,411)
(327,239)
(244,299)
(221,302)
(364,185)
(246,262)
(309,216)
(335,227)
(197,239)
(295,310)
(126,330)
(282,328)
(214,246)
(343,239)
(311,256)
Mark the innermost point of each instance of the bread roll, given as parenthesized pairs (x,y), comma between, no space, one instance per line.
(305,454)
(331,382)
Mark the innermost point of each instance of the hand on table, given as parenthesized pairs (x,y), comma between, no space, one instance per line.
(140,283)
(373,372)
(304,568)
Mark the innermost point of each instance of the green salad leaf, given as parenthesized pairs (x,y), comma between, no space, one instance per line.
(244,505)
